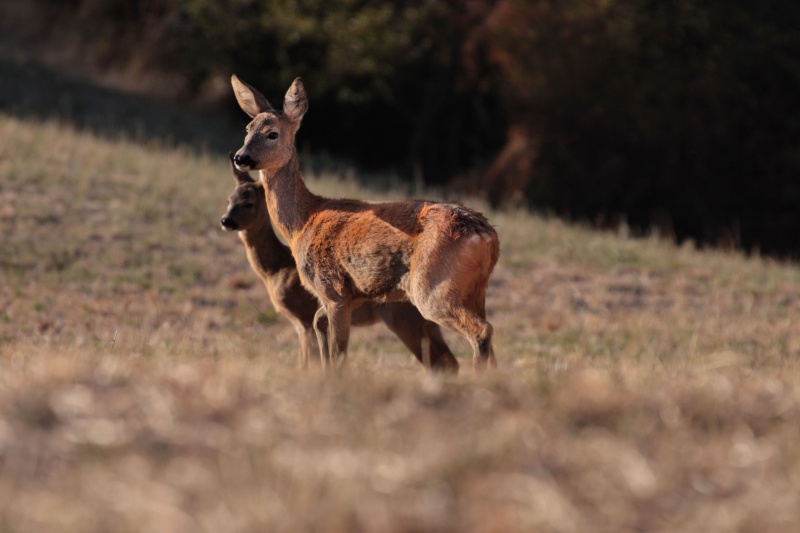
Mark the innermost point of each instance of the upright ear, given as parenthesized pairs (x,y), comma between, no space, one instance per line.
(250,100)
(295,103)
(239,175)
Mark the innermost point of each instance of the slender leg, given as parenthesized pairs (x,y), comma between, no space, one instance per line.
(483,357)
(418,334)
(302,352)
(321,329)
(304,348)
(312,354)
(471,323)
(338,331)
(479,334)
(442,357)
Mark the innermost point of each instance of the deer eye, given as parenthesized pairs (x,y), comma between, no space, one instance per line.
(249,205)
(272,135)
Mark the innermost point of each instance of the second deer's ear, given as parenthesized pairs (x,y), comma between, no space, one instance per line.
(295,103)
(239,175)
(250,100)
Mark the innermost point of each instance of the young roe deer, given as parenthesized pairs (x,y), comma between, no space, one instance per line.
(438,256)
(273,263)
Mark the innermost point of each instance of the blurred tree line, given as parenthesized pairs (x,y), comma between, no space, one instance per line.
(680,116)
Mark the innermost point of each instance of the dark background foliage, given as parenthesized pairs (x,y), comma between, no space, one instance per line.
(679,116)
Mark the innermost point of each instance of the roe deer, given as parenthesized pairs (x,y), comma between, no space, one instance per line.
(273,263)
(438,256)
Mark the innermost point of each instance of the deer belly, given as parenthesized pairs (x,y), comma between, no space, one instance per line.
(380,277)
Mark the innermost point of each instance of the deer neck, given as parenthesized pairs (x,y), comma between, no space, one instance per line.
(289,202)
(265,252)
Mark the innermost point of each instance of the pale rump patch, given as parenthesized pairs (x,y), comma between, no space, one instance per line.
(473,249)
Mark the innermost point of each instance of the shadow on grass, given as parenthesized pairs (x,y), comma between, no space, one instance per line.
(29,90)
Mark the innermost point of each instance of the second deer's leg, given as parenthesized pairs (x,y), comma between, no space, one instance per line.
(303,340)
(422,337)
(441,356)
(303,349)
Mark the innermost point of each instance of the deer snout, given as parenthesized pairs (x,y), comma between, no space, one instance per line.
(244,161)
(228,223)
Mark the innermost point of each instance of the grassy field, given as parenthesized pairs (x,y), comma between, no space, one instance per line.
(146,384)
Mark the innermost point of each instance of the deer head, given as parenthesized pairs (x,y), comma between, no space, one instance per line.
(246,206)
(269,143)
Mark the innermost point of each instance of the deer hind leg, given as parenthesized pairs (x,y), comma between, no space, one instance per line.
(479,334)
(474,320)
(467,318)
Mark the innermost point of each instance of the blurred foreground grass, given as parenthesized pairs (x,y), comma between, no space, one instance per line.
(146,384)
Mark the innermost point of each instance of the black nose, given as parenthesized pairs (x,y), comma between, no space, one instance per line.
(244,161)
(228,223)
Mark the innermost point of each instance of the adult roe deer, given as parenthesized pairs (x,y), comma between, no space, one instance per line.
(272,261)
(438,256)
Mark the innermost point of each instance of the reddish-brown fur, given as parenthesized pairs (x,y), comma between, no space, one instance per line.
(438,256)
(273,263)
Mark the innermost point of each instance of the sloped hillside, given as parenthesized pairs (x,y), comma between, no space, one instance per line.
(146,383)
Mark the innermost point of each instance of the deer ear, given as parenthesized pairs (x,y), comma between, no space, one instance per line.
(250,100)
(295,103)
(239,175)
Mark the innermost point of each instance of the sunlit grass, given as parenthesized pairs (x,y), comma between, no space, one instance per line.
(147,384)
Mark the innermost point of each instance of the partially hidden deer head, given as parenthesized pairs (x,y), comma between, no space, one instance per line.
(246,206)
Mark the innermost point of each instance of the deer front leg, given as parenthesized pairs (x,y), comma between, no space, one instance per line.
(321,329)
(338,331)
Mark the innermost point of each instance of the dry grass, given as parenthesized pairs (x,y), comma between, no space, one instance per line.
(146,384)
